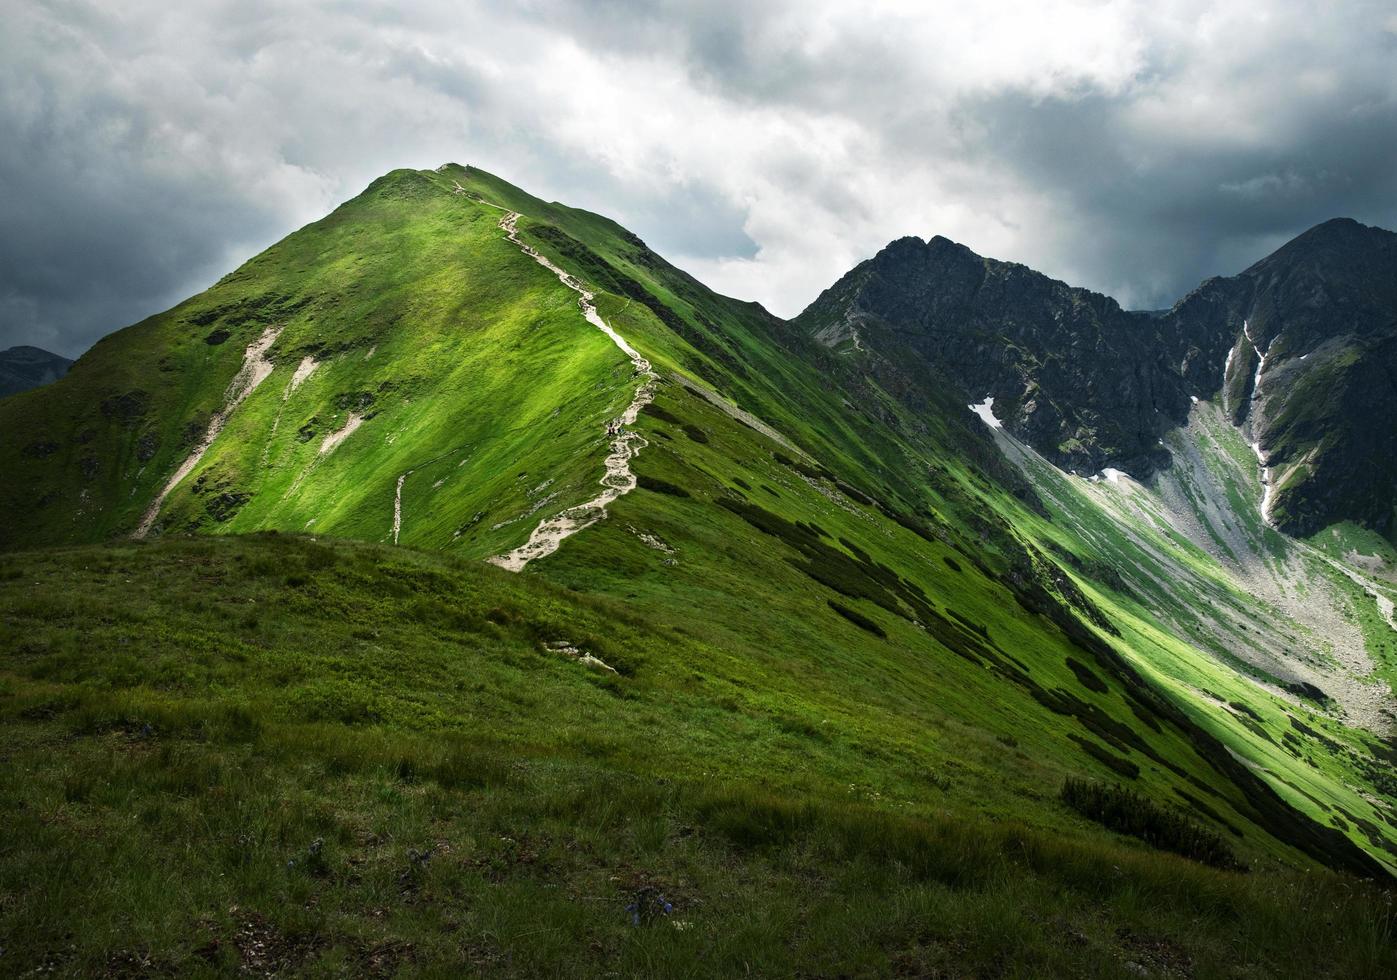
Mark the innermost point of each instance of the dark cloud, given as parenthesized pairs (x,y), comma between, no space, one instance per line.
(147,148)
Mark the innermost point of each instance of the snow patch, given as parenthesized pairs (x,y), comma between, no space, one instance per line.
(986,412)
(1267,487)
(1261,358)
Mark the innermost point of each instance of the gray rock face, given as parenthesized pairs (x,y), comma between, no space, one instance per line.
(23,368)
(1091,385)
(1322,409)
(1084,381)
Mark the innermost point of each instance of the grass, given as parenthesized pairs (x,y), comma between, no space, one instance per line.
(349,774)
(405,299)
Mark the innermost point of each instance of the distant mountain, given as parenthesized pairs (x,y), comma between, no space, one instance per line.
(23,368)
(1092,386)
(1084,381)
(1301,350)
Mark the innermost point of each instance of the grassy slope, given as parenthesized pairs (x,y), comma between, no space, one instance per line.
(1338,775)
(417,311)
(762,599)
(191,716)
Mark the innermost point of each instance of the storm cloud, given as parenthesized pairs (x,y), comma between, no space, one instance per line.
(1132,147)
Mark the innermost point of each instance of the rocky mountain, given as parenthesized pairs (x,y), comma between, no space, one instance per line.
(1307,340)
(1299,348)
(1080,378)
(23,368)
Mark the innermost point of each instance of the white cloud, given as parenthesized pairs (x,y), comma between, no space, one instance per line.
(1128,146)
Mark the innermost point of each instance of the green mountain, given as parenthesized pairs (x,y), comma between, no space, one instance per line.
(460,583)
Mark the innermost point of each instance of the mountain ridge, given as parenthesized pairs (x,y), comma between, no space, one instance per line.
(1001,329)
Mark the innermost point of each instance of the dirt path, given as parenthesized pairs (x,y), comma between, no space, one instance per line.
(398,506)
(625,443)
(256,369)
(303,370)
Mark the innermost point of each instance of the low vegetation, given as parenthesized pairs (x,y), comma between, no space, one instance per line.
(1128,812)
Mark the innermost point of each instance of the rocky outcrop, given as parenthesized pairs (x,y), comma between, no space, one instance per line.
(1082,380)
(1300,349)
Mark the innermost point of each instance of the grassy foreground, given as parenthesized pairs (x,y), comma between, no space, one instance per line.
(272,754)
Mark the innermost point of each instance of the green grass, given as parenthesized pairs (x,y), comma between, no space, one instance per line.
(278,754)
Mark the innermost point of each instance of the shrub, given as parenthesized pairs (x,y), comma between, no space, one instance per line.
(1165,828)
(656,485)
(1107,758)
(1088,680)
(813,472)
(853,493)
(858,619)
(664,415)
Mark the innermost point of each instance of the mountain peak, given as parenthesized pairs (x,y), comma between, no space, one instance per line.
(905,242)
(1090,385)
(1335,244)
(911,245)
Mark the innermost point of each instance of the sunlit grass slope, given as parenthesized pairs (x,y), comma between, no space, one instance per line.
(1182,612)
(468,364)
(482,394)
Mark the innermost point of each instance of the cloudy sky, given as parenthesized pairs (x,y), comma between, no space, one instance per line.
(1133,147)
